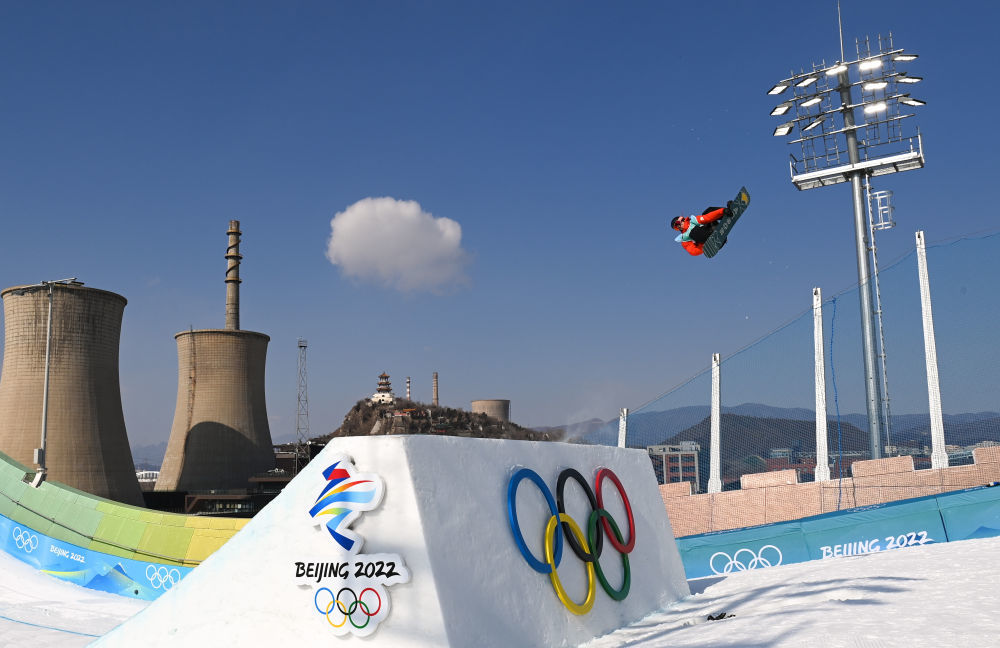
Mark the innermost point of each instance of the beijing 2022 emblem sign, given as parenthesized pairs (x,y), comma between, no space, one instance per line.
(351,593)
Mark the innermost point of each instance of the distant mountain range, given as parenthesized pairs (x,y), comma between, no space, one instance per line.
(764,425)
(149,457)
(654,428)
(750,431)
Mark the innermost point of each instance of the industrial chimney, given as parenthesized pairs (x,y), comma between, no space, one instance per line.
(434,395)
(233,259)
(220,436)
(74,331)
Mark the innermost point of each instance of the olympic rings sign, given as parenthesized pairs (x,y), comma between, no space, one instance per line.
(745,559)
(162,576)
(587,546)
(24,539)
(346,612)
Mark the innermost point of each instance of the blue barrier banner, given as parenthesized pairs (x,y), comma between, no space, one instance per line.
(958,515)
(972,514)
(893,525)
(93,569)
(751,548)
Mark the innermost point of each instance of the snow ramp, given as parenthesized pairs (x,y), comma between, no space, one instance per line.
(434,541)
(99,543)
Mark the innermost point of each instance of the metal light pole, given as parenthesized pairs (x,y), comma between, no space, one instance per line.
(836,148)
(40,451)
(880,218)
(861,246)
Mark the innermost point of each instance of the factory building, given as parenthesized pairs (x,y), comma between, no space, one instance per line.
(220,436)
(73,331)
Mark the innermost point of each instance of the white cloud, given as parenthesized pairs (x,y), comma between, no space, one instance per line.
(397,244)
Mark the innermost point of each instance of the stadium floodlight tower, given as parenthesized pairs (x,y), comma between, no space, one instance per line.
(821,116)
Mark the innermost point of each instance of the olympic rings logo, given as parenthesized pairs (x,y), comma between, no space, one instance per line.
(745,559)
(24,539)
(345,612)
(588,548)
(162,576)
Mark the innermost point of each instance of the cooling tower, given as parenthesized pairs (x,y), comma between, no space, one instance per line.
(86,444)
(494,408)
(220,436)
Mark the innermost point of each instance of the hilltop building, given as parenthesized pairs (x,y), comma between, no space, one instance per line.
(383,395)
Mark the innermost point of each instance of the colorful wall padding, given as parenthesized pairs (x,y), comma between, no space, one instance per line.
(99,543)
(957,515)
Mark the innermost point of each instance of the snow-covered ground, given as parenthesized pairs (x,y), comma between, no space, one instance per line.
(42,611)
(935,595)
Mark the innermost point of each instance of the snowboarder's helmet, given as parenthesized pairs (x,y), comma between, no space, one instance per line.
(676,222)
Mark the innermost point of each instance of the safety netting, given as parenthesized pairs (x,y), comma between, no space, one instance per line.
(768,392)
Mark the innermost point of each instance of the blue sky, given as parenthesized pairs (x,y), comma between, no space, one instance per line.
(559,138)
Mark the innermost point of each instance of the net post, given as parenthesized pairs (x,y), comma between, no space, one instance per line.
(714,480)
(939,456)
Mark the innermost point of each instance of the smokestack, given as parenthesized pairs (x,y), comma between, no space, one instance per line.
(434,397)
(86,445)
(233,277)
(407,388)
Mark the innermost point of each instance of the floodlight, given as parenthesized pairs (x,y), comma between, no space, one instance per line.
(814,124)
(839,144)
(783,129)
(781,109)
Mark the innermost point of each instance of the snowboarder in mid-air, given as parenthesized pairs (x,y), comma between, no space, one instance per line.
(707,233)
(694,231)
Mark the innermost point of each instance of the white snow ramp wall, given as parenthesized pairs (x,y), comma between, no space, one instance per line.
(434,541)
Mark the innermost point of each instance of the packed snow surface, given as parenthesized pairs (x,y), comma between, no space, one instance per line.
(934,595)
(39,610)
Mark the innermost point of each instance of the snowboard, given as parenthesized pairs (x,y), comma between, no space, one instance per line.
(726,223)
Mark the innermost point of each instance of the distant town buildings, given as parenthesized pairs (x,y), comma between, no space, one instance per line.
(675,463)
(147,479)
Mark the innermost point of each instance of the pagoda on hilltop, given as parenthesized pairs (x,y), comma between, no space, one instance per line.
(383,395)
